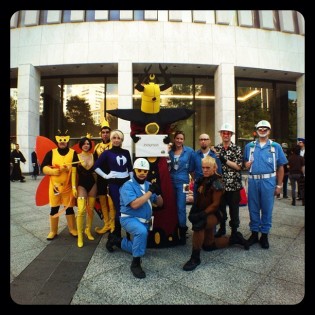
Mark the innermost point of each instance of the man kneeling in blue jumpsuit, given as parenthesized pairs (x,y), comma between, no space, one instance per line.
(136,198)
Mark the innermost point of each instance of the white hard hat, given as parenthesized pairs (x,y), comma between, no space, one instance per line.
(263,123)
(227,127)
(141,164)
(284,145)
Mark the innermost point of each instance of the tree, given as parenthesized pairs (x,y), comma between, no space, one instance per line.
(249,113)
(79,119)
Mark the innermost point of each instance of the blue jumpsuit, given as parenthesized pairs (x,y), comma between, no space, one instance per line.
(129,219)
(261,190)
(180,176)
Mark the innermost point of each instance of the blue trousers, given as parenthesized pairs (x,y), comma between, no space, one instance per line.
(260,203)
(139,234)
(181,204)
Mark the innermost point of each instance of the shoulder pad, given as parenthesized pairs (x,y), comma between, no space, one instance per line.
(218,184)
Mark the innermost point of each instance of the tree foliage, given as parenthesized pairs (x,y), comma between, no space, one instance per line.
(79,120)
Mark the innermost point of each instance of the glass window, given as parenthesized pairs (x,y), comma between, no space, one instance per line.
(188,92)
(90,15)
(285,114)
(77,105)
(204,106)
(254,103)
(66,16)
(114,15)
(275,102)
(21,22)
(43,17)
(13,110)
(138,15)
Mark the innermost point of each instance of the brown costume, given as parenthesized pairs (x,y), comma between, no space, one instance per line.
(204,216)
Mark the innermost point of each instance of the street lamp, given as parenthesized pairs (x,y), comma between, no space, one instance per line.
(83,124)
(239,126)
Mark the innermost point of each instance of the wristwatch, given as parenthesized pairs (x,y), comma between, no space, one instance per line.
(279,186)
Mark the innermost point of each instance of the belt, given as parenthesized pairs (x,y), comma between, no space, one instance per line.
(142,220)
(260,176)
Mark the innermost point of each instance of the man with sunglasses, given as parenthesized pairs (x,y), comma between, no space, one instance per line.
(136,198)
(264,160)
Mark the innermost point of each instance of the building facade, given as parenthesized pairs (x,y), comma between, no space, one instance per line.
(229,66)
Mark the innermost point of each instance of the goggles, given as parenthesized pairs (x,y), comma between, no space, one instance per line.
(62,138)
(139,171)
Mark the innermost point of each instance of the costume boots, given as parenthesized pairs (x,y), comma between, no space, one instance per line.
(136,268)
(89,219)
(253,239)
(222,230)
(105,212)
(264,241)
(53,228)
(194,261)
(112,214)
(113,240)
(71,224)
(237,238)
(182,235)
(81,201)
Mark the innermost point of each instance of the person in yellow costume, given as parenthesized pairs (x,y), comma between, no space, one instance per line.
(59,164)
(105,201)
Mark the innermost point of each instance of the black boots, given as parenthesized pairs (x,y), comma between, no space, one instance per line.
(253,239)
(194,261)
(221,231)
(209,248)
(182,235)
(293,202)
(237,238)
(113,240)
(264,241)
(136,268)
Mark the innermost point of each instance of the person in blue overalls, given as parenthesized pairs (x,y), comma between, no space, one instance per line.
(264,159)
(136,198)
(180,167)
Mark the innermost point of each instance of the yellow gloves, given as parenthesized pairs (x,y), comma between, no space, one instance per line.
(74,181)
(47,170)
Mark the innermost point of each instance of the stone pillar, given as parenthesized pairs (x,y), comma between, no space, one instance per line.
(224,89)
(125,91)
(300,89)
(27,111)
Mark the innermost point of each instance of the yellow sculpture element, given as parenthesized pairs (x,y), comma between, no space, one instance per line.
(150,101)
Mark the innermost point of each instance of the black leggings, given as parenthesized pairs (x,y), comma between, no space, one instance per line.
(55,210)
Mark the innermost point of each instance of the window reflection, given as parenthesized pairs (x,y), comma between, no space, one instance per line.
(114,15)
(257,100)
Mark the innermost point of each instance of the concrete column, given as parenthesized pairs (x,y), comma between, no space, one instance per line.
(27,111)
(300,90)
(224,89)
(125,91)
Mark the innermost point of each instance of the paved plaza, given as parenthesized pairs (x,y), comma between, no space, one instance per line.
(59,273)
